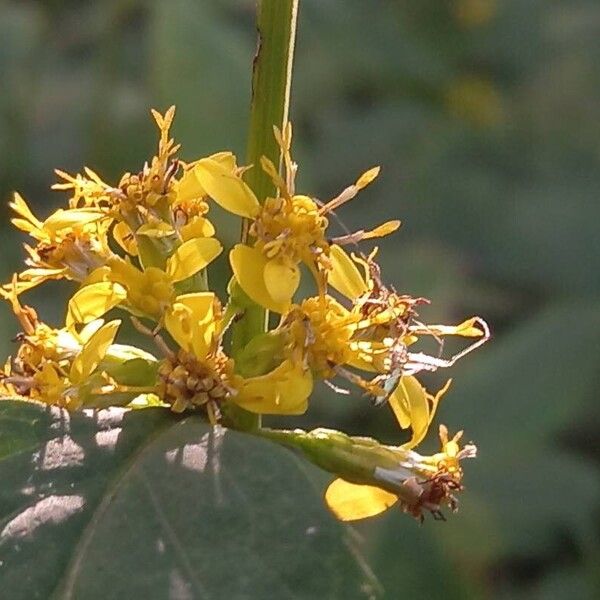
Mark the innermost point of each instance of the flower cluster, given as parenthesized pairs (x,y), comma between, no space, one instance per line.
(144,246)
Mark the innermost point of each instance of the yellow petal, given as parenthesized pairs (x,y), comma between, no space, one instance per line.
(125,238)
(281,280)
(469,328)
(226,159)
(367,177)
(92,301)
(191,322)
(400,407)
(411,407)
(93,351)
(189,187)
(192,256)
(40,272)
(28,227)
(248,265)
(178,322)
(157,230)
(196,228)
(20,207)
(226,189)
(351,502)
(201,304)
(66,219)
(88,330)
(344,275)
(283,391)
(382,230)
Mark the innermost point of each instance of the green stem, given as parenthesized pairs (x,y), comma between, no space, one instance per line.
(271,83)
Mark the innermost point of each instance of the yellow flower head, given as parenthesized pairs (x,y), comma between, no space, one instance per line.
(321,334)
(153,188)
(39,341)
(201,374)
(286,231)
(50,364)
(374,336)
(149,292)
(416,483)
(70,244)
(154,185)
(392,318)
(154,207)
(188,382)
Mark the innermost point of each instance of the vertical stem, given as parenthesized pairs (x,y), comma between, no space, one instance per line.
(271,84)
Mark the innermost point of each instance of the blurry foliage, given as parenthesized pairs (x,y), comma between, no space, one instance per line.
(485,117)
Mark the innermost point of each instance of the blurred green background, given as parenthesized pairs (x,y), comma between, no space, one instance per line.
(485,118)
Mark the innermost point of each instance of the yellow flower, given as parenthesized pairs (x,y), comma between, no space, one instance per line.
(329,340)
(392,315)
(74,369)
(374,336)
(40,342)
(414,407)
(416,483)
(286,231)
(149,292)
(153,207)
(70,244)
(201,374)
(321,333)
(152,189)
(51,364)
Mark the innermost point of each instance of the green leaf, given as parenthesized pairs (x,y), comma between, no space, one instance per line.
(20,428)
(138,504)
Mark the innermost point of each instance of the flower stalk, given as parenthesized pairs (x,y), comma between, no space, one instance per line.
(372,477)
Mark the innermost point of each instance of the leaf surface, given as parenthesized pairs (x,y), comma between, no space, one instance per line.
(138,504)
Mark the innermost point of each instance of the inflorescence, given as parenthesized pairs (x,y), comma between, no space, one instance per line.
(145,246)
